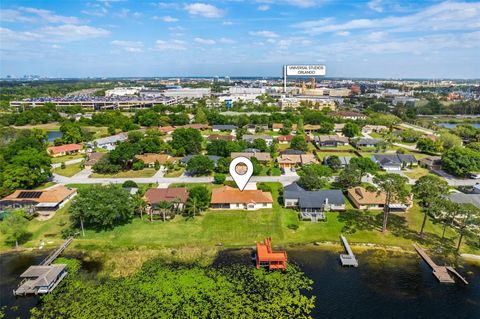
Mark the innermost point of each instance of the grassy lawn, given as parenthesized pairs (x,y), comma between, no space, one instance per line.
(146,172)
(321,155)
(243,228)
(62,159)
(69,170)
(175,173)
(417,172)
(376,135)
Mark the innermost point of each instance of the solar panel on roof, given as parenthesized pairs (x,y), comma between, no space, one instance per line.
(29,194)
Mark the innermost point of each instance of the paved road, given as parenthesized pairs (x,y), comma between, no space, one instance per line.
(83,179)
(455,181)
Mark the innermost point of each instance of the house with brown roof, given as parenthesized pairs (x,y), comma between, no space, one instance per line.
(262,157)
(93,158)
(167,129)
(42,200)
(197,126)
(178,196)
(213,137)
(67,149)
(293,160)
(227,197)
(151,158)
(363,199)
(309,128)
(284,139)
(277,127)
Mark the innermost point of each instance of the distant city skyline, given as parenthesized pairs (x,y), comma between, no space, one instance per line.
(355,39)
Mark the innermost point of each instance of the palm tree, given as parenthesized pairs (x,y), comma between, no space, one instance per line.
(192,207)
(163,206)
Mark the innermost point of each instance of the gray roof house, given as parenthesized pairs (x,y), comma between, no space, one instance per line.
(345,160)
(368,142)
(251,138)
(313,204)
(394,162)
(109,142)
(223,127)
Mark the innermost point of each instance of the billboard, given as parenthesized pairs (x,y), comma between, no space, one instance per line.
(306,70)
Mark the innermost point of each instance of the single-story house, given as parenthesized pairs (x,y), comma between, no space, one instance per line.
(394,162)
(213,158)
(213,137)
(461,198)
(313,204)
(151,158)
(289,161)
(197,126)
(348,115)
(42,200)
(431,162)
(250,138)
(232,198)
(363,199)
(367,129)
(67,149)
(276,127)
(252,128)
(309,128)
(368,142)
(344,160)
(331,140)
(284,139)
(93,158)
(109,142)
(166,129)
(176,195)
(262,157)
(226,127)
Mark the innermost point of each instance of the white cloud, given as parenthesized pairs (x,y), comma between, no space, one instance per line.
(49,16)
(343,33)
(263,7)
(204,41)
(166,5)
(70,32)
(264,33)
(204,10)
(129,46)
(176,45)
(443,16)
(227,23)
(376,36)
(226,40)
(27,14)
(167,19)
(375,5)
(8,15)
(95,10)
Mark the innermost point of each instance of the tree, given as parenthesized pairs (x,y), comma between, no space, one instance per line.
(350,177)
(351,129)
(14,226)
(394,187)
(219,178)
(461,161)
(200,116)
(187,138)
(198,200)
(467,216)
(365,165)
(138,165)
(101,207)
(260,144)
(103,166)
(313,176)
(223,165)
(427,190)
(163,207)
(429,146)
(334,162)
(200,165)
(300,128)
(449,141)
(299,143)
(218,147)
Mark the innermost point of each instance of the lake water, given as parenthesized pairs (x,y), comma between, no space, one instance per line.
(453,125)
(52,135)
(383,286)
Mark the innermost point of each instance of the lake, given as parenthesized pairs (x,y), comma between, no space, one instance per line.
(453,125)
(52,135)
(385,285)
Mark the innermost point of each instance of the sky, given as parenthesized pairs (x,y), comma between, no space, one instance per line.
(134,38)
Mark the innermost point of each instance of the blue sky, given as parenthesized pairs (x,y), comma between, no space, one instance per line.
(378,38)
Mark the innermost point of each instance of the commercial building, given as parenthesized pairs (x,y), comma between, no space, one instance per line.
(190,93)
(123,91)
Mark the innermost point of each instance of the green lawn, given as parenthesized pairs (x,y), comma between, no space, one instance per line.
(69,170)
(243,228)
(321,155)
(175,173)
(417,172)
(146,172)
(62,159)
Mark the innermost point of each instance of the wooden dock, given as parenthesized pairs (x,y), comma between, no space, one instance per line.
(348,259)
(54,254)
(440,272)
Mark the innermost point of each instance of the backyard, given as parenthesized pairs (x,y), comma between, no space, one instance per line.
(69,170)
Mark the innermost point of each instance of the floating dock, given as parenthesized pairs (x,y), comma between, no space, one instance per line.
(349,258)
(440,272)
(45,277)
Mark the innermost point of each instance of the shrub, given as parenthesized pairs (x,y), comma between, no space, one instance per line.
(264,187)
(219,178)
(138,166)
(128,184)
